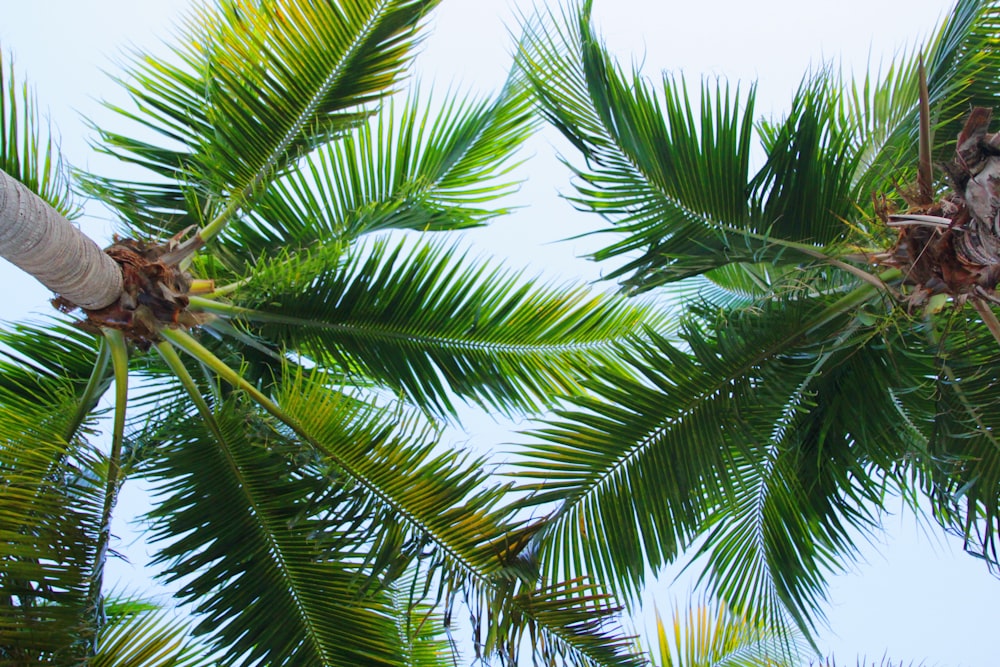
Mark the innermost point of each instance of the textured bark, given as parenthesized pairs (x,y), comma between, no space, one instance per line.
(36,238)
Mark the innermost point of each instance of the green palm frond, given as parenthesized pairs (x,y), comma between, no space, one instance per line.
(955,412)
(416,502)
(256,86)
(428,323)
(672,179)
(734,435)
(963,71)
(709,634)
(140,635)
(51,498)
(28,150)
(410,168)
(263,540)
(422,629)
(675,181)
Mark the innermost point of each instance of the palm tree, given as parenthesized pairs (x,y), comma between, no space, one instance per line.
(288,368)
(835,302)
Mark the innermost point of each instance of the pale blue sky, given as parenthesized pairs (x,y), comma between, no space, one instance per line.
(917,598)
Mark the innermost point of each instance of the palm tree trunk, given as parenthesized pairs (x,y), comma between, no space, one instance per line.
(36,238)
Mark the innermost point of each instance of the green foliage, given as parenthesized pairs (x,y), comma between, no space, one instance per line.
(301,483)
(28,151)
(742,435)
(309,508)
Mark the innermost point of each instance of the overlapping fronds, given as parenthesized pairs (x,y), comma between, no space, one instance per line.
(424,321)
(424,166)
(140,635)
(255,86)
(672,173)
(28,151)
(266,553)
(651,163)
(734,435)
(955,411)
(421,628)
(50,501)
(963,71)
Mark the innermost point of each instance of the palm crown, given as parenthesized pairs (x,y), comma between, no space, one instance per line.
(291,372)
(293,367)
(814,372)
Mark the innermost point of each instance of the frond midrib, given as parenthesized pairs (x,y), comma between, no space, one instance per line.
(635,451)
(391,333)
(272,160)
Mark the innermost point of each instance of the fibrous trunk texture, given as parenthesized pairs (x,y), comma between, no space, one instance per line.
(952,245)
(36,238)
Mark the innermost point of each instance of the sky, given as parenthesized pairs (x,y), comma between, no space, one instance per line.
(915,596)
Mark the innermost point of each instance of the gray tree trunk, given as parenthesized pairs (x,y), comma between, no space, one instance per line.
(36,238)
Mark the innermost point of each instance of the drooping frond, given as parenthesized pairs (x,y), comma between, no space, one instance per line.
(734,436)
(673,179)
(260,539)
(425,322)
(28,150)
(50,500)
(256,85)
(955,410)
(425,167)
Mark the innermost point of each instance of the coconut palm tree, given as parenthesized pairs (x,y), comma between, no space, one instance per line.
(288,368)
(838,343)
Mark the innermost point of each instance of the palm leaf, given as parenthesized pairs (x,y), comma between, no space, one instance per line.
(263,543)
(736,436)
(28,148)
(140,635)
(710,634)
(409,169)
(953,410)
(257,86)
(963,66)
(411,499)
(50,502)
(432,325)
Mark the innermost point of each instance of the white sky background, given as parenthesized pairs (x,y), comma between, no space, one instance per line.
(917,597)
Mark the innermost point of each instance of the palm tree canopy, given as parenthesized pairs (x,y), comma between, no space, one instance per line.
(289,371)
(741,433)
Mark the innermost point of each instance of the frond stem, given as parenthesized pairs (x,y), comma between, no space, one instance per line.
(114,342)
(238,201)
(92,392)
(988,316)
(254,315)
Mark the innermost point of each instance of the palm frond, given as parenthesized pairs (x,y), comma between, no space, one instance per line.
(425,322)
(669,173)
(257,86)
(28,150)
(954,411)
(51,497)
(709,634)
(881,114)
(422,629)
(411,168)
(421,500)
(263,546)
(733,435)
(140,635)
